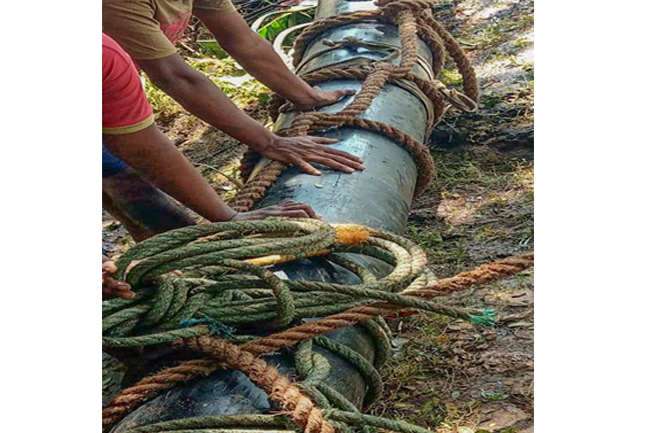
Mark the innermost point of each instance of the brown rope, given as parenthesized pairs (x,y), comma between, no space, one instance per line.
(470,83)
(225,355)
(429,30)
(481,275)
(321,26)
(131,398)
(431,89)
(291,401)
(256,188)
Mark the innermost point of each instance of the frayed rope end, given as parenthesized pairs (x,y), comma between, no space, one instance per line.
(351,234)
(487,318)
(217,329)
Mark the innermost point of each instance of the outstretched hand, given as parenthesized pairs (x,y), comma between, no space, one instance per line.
(287,209)
(320,98)
(301,151)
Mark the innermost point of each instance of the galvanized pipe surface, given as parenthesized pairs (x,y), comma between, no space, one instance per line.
(379,197)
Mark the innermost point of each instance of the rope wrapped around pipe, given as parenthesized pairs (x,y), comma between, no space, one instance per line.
(413,19)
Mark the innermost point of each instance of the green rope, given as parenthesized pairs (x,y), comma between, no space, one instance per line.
(227,281)
(202,424)
(220,421)
(356,418)
(218,282)
(365,368)
(155,339)
(381,338)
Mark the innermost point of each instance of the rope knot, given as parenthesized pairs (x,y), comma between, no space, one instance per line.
(487,318)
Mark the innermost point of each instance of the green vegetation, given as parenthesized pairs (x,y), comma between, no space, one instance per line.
(490,99)
(520,44)
(451,77)
(496,32)
(226,74)
(272,29)
(484,205)
(211,48)
(425,239)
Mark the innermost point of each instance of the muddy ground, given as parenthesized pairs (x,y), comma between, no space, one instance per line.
(448,375)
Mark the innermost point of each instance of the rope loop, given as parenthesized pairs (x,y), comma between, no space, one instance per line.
(299,408)
(391,7)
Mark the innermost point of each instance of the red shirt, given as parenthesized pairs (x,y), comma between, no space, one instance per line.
(124,105)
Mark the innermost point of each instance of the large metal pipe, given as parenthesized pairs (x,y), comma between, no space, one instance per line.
(378,197)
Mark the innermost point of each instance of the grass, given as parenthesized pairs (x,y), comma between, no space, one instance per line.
(411,393)
(490,99)
(484,207)
(451,77)
(226,74)
(520,44)
(496,32)
(425,239)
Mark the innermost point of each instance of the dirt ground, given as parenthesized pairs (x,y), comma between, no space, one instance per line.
(448,375)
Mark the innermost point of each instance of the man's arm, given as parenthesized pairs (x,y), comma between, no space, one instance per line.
(258,57)
(204,99)
(150,152)
(128,131)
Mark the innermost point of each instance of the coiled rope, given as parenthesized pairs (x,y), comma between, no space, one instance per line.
(226,282)
(225,279)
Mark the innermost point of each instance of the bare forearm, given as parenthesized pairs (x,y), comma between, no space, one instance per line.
(261,61)
(151,153)
(257,56)
(204,99)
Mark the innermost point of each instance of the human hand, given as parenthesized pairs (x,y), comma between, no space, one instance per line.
(318,98)
(288,209)
(301,151)
(112,287)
